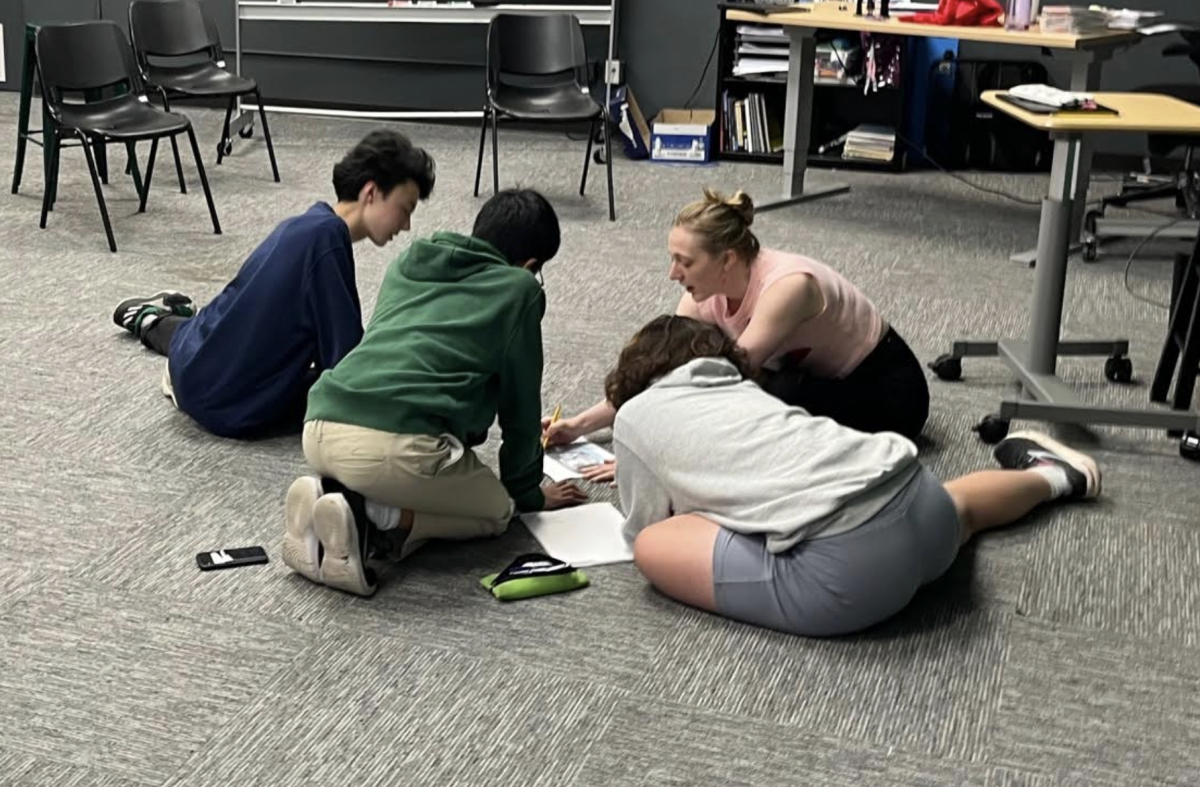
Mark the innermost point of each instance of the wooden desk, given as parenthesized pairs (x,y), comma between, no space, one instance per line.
(1042,395)
(1086,54)
(826,16)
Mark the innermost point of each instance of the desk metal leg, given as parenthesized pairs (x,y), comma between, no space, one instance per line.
(797,127)
(1043,396)
(1085,78)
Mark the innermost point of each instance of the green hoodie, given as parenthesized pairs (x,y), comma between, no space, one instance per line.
(455,342)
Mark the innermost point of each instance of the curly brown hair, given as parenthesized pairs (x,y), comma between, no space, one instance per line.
(663,345)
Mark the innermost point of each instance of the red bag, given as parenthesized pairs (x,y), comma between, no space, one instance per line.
(966,13)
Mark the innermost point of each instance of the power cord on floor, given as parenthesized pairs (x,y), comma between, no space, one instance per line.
(1129,263)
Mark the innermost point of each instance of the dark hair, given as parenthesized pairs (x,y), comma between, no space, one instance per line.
(521,224)
(663,345)
(388,158)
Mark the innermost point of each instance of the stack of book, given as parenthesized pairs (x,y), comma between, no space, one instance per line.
(871,143)
(1073,20)
(760,50)
(748,127)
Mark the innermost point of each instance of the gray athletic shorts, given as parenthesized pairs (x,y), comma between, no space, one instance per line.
(843,583)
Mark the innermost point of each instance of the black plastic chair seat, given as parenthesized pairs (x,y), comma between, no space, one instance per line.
(200,79)
(124,117)
(557,102)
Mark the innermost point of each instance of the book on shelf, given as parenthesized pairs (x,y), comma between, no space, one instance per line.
(870,142)
(748,126)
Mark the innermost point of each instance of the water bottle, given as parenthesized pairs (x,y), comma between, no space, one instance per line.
(1018,14)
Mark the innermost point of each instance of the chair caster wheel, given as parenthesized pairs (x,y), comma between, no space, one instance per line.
(992,429)
(947,367)
(1189,447)
(246,132)
(1089,221)
(225,148)
(1118,369)
(598,157)
(1090,251)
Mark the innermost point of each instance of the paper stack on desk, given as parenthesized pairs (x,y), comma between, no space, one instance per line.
(1072,19)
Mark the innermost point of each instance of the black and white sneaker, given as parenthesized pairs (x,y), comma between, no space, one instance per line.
(131,312)
(1028,450)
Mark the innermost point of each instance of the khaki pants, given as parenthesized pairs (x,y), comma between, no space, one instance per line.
(450,492)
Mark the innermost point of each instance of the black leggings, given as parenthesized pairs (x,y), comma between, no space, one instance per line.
(158,336)
(886,392)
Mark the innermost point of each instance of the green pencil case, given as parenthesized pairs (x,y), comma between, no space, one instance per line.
(533,575)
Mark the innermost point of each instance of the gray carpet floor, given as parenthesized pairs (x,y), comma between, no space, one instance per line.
(1059,652)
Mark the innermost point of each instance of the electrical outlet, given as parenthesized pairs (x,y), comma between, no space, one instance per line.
(613,75)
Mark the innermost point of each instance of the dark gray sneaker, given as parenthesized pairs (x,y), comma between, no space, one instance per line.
(132,312)
(1027,450)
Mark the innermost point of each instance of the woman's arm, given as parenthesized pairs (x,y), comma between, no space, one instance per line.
(781,309)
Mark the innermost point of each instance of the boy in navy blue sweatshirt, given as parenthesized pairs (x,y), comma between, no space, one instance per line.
(242,365)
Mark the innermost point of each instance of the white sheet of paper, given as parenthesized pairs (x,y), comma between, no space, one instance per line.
(588,535)
(563,462)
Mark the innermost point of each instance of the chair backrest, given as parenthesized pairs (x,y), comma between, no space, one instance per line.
(85,56)
(171,28)
(47,12)
(535,45)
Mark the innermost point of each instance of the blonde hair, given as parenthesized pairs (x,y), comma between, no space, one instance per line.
(722,223)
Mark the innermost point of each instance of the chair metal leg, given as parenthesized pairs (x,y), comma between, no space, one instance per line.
(49,156)
(262,114)
(495,153)
(149,175)
(174,147)
(91,162)
(612,210)
(53,155)
(47,190)
(225,141)
(23,114)
(482,141)
(133,169)
(212,209)
(587,157)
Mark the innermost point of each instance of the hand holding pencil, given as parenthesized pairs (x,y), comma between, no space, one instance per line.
(557,430)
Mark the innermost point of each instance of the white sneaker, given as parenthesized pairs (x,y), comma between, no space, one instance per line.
(301,548)
(338,529)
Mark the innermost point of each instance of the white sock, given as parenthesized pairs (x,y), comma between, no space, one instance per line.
(1056,476)
(384,517)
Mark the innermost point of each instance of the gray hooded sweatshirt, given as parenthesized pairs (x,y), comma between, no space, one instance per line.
(702,440)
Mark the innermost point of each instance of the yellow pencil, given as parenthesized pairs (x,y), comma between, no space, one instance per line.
(553,420)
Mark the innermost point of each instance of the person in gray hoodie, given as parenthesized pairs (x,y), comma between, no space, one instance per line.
(740,504)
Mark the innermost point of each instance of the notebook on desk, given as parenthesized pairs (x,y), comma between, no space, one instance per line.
(1089,108)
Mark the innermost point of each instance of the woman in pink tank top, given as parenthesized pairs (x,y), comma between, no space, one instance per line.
(816,339)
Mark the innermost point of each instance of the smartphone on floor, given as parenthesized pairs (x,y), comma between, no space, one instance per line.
(231,558)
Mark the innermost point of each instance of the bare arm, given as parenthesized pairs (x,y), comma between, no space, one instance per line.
(782,308)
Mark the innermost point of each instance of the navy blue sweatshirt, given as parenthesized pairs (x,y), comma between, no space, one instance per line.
(244,363)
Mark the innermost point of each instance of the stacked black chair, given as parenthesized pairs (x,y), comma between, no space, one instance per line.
(96,58)
(179,54)
(537,72)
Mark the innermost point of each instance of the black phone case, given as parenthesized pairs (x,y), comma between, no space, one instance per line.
(231,558)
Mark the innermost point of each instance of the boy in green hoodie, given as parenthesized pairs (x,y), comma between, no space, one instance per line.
(455,342)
